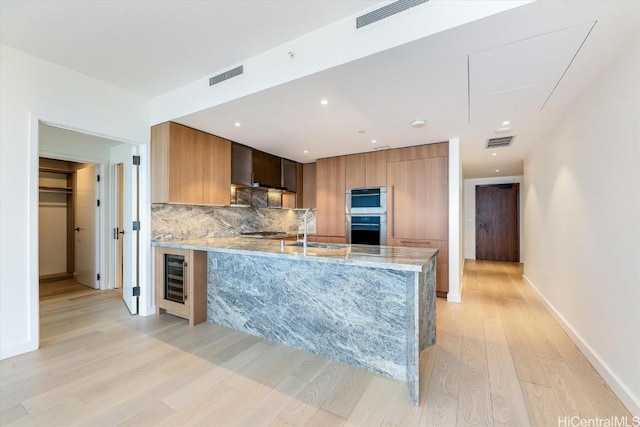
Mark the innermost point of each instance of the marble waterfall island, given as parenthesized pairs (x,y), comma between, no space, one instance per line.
(372,307)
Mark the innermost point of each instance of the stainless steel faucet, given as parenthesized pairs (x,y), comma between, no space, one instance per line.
(305,234)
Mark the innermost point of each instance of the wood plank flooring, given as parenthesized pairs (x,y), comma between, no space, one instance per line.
(501,359)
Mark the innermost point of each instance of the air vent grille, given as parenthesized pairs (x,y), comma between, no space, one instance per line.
(386,11)
(503,141)
(381,148)
(226,75)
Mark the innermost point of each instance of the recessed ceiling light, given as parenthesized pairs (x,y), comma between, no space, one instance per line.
(497,170)
(505,123)
(237,124)
(373,141)
(306,151)
(494,154)
(324,102)
(418,123)
(503,129)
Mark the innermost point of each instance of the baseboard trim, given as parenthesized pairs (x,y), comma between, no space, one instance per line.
(451,297)
(17,349)
(619,388)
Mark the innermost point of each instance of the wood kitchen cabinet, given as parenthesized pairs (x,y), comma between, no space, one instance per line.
(309,186)
(330,197)
(181,283)
(376,169)
(366,170)
(442,259)
(418,209)
(189,166)
(355,167)
(418,199)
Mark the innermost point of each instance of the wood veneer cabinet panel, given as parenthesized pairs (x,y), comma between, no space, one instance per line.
(309,185)
(216,170)
(376,169)
(300,186)
(442,264)
(418,199)
(185,164)
(355,171)
(160,163)
(425,151)
(330,196)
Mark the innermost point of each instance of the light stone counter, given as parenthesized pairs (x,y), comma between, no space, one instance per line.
(368,306)
(393,258)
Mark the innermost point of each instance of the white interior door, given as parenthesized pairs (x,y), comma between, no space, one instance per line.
(127,237)
(86,227)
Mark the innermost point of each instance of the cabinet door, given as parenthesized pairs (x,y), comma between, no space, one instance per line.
(418,199)
(354,168)
(309,185)
(290,175)
(241,164)
(216,170)
(330,196)
(376,169)
(267,168)
(185,165)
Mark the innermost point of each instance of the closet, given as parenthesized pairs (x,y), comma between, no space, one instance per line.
(56,218)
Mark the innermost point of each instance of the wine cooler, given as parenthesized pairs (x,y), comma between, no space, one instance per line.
(175,278)
(181,283)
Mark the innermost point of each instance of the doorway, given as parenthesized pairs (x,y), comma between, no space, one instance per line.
(497,224)
(69,220)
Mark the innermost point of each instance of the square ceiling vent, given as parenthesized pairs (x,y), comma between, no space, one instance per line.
(503,141)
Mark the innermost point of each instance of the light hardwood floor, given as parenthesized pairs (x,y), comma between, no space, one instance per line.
(501,359)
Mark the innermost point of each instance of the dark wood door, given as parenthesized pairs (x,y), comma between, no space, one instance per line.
(497,228)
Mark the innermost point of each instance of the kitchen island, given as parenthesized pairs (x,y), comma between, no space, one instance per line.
(369,306)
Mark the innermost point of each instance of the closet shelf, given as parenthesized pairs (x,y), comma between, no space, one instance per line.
(67,190)
(55,170)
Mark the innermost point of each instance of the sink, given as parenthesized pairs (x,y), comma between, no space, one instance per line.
(318,245)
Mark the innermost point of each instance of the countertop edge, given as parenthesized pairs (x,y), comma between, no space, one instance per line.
(298,255)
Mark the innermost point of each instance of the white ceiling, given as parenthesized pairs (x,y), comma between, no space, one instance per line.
(525,65)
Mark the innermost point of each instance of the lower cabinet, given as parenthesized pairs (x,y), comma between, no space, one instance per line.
(181,283)
(442,259)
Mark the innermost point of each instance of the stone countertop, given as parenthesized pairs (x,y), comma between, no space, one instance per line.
(387,257)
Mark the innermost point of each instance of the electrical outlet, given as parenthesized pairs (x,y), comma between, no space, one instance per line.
(214,264)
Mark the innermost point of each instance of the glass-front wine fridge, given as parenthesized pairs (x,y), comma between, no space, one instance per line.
(175,278)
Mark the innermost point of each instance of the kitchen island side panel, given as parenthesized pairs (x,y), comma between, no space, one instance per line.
(356,315)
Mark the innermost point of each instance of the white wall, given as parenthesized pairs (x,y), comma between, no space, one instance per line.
(33,90)
(455,232)
(582,223)
(470,210)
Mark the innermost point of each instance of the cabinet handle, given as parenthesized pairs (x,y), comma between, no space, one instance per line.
(393,216)
(413,241)
(185,276)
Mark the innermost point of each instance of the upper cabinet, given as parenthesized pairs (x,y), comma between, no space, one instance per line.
(290,175)
(241,164)
(309,185)
(366,170)
(267,169)
(189,166)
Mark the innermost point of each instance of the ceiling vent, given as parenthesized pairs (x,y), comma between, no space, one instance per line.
(386,11)
(226,75)
(504,141)
(381,148)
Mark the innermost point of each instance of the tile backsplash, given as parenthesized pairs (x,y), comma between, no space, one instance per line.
(177,222)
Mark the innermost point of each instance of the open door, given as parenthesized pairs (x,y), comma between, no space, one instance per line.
(124,234)
(86,227)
